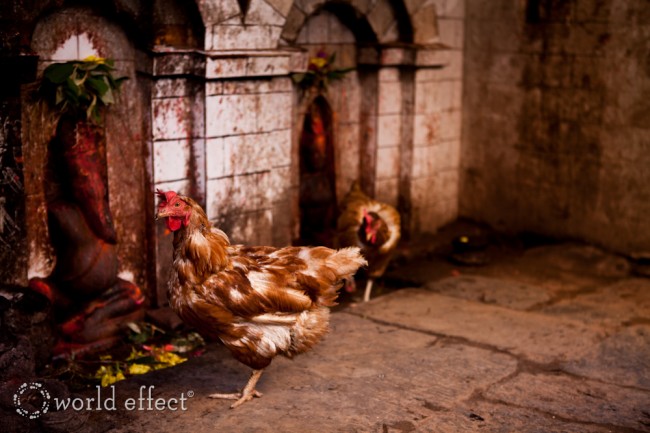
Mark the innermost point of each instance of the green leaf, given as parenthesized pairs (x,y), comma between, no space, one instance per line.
(102,69)
(82,77)
(70,96)
(90,111)
(58,73)
(118,81)
(107,97)
(90,66)
(297,77)
(80,87)
(144,360)
(72,87)
(59,95)
(98,84)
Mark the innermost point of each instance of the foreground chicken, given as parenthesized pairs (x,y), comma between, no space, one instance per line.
(259,301)
(371,225)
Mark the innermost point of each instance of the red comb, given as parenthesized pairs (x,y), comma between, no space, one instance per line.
(366,216)
(167,196)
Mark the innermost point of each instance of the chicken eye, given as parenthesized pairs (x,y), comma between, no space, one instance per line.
(177,204)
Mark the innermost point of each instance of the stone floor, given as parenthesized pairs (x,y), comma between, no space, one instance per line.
(547,339)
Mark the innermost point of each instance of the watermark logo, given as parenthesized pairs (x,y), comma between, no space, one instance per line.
(105,399)
(19,398)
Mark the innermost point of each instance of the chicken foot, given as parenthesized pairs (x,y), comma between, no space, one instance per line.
(366,295)
(247,393)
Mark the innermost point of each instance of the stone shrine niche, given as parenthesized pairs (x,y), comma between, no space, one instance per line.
(85,192)
(318,204)
(329,124)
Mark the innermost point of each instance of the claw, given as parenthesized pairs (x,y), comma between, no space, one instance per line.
(247,394)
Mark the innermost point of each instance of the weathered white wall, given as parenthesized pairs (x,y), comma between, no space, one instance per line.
(248,155)
(389,123)
(556,120)
(437,131)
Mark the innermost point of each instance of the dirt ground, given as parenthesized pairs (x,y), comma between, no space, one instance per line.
(538,338)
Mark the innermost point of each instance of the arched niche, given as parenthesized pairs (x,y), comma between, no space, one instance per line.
(327,32)
(73,34)
(318,203)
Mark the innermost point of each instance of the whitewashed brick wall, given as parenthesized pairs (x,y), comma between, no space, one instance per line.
(174,134)
(437,126)
(248,155)
(389,119)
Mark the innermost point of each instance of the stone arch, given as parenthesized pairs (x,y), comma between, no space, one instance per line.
(213,12)
(383,21)
(161,22)
(243,24)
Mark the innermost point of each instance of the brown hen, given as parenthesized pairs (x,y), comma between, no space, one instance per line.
(372,226)
(259,301)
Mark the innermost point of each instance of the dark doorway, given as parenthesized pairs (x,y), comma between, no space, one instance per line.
(317,176)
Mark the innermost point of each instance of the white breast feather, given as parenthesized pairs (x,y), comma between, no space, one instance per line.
(274,338)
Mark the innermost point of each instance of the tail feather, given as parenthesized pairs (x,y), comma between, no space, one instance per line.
(346,262)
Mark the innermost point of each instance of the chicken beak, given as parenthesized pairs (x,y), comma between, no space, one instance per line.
(161,214)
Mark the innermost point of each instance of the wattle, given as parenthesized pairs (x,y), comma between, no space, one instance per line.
(174,224)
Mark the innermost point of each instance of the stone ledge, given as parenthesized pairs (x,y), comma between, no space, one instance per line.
(219,64)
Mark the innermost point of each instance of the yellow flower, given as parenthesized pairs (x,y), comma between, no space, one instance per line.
(319,62)
(139,369)
(107,376)
(135,354)
(168,358)
(111,379)
(94,58)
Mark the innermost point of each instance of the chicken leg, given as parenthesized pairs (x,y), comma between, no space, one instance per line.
(366,295)
(247,393)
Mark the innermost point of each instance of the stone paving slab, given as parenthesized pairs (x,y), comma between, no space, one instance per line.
(490,417)
(577,259)
(509,294)
(624,302)
(577,399)
(557,269)
(622,358)
(536,337)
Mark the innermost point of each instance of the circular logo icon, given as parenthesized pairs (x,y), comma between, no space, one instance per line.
(38,390)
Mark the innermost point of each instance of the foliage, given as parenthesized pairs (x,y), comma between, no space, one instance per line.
(81,88)
(155,355)
(320,72)
(147,348)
